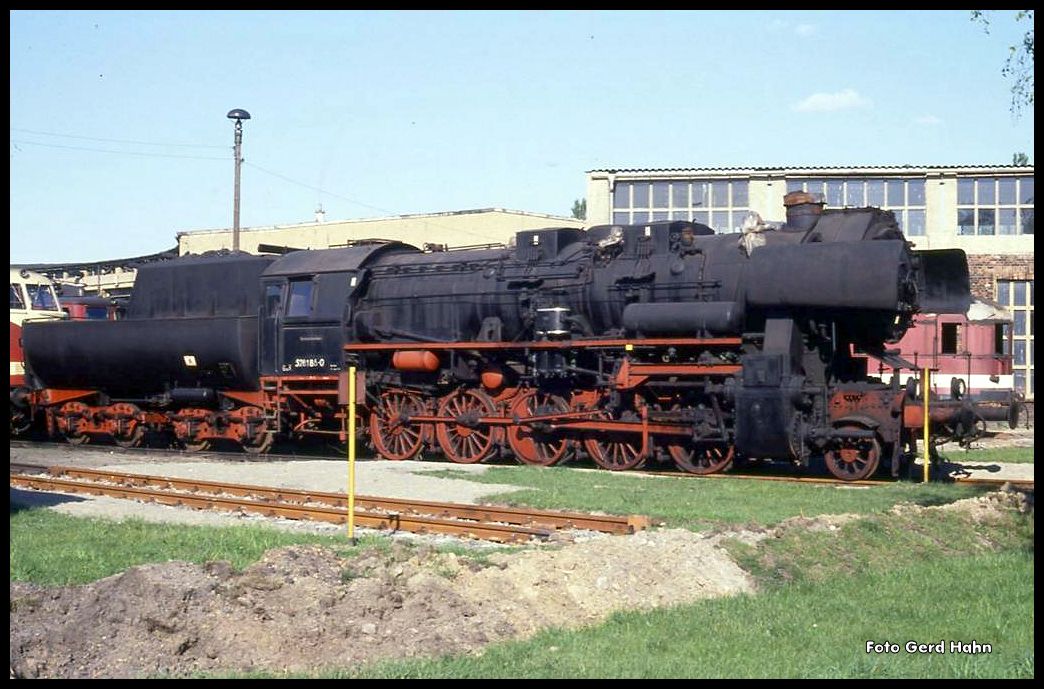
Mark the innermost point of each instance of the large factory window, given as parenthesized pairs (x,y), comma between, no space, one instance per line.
(904,197)
(995,205)
(719,203)
(1017,297)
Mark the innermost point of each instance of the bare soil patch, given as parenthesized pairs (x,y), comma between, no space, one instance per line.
(303,608)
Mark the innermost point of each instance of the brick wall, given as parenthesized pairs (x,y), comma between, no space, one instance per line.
(985,268)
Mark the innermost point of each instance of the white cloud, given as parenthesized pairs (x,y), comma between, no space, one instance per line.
(826,102)
(927,120)
(803,30)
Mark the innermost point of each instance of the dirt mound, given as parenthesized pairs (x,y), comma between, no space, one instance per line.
(304,608)
(987,508)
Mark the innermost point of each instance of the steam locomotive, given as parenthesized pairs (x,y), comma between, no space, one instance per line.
(626,344)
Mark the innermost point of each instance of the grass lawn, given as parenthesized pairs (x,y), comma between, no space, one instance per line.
(51,548)
(809,630)
(1014,455)
(823,595)
(697,503)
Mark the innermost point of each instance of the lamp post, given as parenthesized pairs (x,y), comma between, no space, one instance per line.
(238,115)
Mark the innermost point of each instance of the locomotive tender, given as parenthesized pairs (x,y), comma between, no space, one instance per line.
(660,341)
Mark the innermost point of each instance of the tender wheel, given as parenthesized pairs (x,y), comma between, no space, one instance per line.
(260,445)
(129,430)
(254,437)
(192,429)
(536,444)
(71,417)
(854,458)
(20,420)
(197,446)
(465,441)
(393,436)
(614,451)
(709,459)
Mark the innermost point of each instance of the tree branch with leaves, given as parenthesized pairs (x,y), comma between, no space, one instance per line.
(1019,65)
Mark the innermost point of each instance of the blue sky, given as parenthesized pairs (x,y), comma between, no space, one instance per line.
(381,113)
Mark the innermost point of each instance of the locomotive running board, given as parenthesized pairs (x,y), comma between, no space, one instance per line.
(547,344)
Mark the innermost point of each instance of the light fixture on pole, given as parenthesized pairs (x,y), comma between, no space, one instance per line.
(238,115)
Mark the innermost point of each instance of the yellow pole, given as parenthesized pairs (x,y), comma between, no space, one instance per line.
(351,454)
(925,378)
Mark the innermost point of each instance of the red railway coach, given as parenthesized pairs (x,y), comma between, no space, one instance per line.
(969,355)
(32,298)
(83,307)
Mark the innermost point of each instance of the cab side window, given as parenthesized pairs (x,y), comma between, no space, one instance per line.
(300,299)
(273,299)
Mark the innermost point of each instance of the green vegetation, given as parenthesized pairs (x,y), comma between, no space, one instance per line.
(879,543)
(51,548)
(1014,455)
(941,576)
(801,631)
(697,503)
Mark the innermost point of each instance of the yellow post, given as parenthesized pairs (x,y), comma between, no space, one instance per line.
(351,454)
(926,376)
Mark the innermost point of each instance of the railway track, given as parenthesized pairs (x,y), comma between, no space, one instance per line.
(821,480)
(502,524)
(669,471)
(232,455)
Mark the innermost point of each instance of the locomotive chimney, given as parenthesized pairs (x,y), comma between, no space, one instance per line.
(803,209)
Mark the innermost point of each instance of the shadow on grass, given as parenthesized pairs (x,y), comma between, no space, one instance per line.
(32,499)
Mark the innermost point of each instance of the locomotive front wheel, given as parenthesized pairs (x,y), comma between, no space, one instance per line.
(465,440)
(129,431)
(613,451)
(393,436)
(854,458)
(531,443)
(702,460)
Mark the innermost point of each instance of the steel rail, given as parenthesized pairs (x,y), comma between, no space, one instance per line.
(667,472)
(503,533)
(545,519)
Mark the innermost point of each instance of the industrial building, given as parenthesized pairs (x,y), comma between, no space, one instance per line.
(455,228)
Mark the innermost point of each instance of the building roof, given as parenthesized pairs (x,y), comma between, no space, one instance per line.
(827,169)
(56,269)
(413,216)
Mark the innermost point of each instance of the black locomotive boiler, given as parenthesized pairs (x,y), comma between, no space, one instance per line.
(656,341)
(662,341)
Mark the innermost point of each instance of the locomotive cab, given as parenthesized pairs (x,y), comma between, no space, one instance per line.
(307,304)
